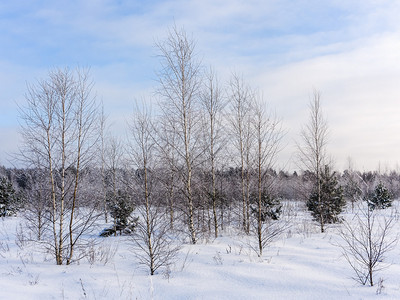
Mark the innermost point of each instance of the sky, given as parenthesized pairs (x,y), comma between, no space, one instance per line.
(347,50)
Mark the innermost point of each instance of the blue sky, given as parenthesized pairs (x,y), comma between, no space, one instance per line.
(349,50)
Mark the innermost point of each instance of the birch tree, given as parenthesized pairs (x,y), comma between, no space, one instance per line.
(36,212)
(312,151)
(113,162)
(180,79)
(213,104)
(165,140)
(268,134)
(103,130)
(241,98)
(59,133)
(365,241)
(155,249)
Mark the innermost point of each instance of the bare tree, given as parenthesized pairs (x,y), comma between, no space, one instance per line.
(103,130)
(213,104)
(37,207)
(155,248)
(312,152)
(179,79)
(59,133)
(366,240)
(268,134)
(241,98)
(113,162)
(352,186)
(165,140)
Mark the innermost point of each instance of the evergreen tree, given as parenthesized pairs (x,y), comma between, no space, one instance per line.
(381,198)
(271,207)
(331,202)
(120,208)
(8,198)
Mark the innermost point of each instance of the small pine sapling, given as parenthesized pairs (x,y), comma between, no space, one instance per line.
(120,208)
(326,208)
(8,198)
(381,198)
(271,207)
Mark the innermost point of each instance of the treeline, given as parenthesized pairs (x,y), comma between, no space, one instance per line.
(100,187)
(289,185)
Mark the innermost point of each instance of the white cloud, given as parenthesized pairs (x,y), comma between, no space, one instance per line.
(361,98)
(347,49)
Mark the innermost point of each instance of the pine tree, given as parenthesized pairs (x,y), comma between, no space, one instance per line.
(8,198)
(331,202)
(271,207)
(120,208)
(381,198)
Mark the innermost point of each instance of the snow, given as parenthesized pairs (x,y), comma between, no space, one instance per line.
(301,264)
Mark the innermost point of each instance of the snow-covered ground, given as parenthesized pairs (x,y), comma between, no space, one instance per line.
(302,264)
